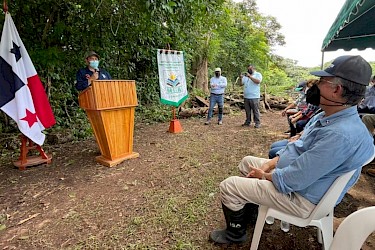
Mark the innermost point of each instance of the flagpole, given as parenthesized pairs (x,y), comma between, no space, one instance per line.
(5,6)
(174,125)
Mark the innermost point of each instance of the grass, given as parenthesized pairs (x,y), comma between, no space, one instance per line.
(166,199)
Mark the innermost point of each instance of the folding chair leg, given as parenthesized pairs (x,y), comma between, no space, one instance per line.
(259,227)
(327,231)
(319,235)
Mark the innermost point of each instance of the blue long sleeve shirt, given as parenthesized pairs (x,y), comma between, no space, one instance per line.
(328,147)
(85,73)
(218,85)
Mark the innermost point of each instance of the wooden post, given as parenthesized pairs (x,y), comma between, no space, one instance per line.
(25,161)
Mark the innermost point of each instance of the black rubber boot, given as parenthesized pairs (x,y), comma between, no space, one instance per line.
(236,228)
(251,213)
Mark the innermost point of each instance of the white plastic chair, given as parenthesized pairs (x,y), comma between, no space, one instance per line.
(354,230)
(321,216)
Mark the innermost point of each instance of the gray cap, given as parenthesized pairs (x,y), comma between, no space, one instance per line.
(352,68)
(91,53)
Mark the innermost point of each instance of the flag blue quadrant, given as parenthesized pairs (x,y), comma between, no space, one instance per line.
(9,83)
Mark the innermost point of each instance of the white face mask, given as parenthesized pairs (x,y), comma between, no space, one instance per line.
(94,64)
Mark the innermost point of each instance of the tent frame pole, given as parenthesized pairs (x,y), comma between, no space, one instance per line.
(322,63)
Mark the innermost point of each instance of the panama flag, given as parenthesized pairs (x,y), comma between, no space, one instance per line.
(22,95)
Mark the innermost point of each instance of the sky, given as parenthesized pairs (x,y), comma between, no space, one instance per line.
(305,23)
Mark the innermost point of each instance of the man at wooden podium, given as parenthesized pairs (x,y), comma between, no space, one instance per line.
(91,72)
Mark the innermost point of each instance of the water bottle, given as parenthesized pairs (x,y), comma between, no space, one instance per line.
(284,226)
(270,220)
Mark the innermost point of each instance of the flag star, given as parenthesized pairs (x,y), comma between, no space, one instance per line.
(16,51)
(30,118)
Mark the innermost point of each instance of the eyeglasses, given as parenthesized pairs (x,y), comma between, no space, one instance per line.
(324,80)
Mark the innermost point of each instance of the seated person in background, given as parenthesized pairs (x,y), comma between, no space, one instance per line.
(295,181)
(300,101)
(369,121)
(298,121)
(367,105)
(91,72)
(303,109)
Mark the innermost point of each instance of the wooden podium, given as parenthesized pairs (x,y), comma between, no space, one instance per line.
(110,107)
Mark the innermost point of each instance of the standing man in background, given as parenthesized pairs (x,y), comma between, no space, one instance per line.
(91,72)
(218,83)
(251,91)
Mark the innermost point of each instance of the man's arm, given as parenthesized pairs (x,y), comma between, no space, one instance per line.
(264,171)
(314,163)
(223,84)
(82,82)
(256,78)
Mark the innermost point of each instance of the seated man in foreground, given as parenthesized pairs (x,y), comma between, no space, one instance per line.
(334,142)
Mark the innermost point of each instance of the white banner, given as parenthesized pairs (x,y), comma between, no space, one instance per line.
(172,78)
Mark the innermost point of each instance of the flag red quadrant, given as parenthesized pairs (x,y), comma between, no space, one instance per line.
(22,95)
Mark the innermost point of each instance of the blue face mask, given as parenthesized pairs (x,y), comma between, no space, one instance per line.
(94,64)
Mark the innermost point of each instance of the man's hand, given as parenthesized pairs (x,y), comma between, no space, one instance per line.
(94,76)
(255,173)
(294,118)
(265,169)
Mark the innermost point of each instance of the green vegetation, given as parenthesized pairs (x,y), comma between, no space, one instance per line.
(126,33)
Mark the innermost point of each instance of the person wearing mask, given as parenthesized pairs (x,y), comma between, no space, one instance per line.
(92,72)
(369,121)
(293,107)
(367,105)
(251,91)
(334,142)
(218,83)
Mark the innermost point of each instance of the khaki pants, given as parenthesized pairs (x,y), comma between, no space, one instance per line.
(236,191)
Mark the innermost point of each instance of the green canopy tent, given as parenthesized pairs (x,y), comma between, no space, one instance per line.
(354,27)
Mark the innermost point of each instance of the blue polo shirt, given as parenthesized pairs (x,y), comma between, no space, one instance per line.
(85,73)
(251,90)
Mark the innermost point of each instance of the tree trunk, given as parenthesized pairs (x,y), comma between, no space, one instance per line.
(201,79)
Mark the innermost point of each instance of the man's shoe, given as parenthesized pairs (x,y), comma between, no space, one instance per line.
(246,125)
(207,123)
(371,172)
(257,126)
(221,237)
(220,122)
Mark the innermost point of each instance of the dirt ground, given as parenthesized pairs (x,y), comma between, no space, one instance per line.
(165,199)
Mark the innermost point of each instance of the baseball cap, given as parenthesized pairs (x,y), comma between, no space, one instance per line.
(91,53)
(352,68)
(300,86)
(217,69)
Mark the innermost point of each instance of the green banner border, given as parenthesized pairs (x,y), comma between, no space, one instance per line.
(176,104)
